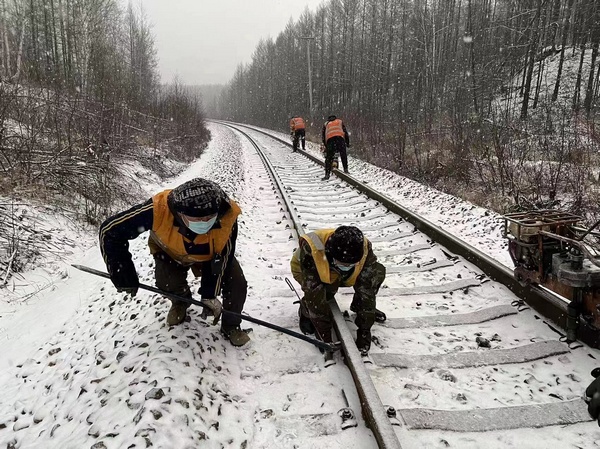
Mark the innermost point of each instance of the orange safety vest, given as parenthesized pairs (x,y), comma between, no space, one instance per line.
(165,235)
(297,123)
(334,128)
(316,240)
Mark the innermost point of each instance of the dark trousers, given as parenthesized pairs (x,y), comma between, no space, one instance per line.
(172,277)
(335,145)
(365,291)
(315,303)
(300,135)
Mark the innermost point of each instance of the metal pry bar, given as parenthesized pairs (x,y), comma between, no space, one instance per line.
(313,341)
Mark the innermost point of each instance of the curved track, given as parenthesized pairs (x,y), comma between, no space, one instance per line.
(460,354)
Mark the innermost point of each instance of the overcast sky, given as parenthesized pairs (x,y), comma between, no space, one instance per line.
(203,41)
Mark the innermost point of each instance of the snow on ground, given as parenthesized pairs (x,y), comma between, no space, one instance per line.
(89,367)
(85,366)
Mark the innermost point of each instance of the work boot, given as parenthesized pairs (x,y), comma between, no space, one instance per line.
(328,358)
(325,178)
(363,340)
(346,171)
(306,325)
(177,313)
(235,335)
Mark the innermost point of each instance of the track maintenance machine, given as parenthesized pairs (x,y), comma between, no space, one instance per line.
(555,250)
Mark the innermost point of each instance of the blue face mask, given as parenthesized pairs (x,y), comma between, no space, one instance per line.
(201,227)
(345,268)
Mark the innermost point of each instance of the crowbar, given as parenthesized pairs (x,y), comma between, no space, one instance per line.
(313,341)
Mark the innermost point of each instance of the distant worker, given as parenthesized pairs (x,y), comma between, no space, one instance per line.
(193,226)
(336,139)
(298,132)
(331,258)
(592,396)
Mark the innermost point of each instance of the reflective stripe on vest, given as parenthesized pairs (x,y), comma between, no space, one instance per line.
(165,235)
(297,123)
(334,128)
(316,240)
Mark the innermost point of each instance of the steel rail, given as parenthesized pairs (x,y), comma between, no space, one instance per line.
(548,304)
(372,408)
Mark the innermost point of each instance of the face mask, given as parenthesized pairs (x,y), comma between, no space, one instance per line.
(201,227)
(346,268)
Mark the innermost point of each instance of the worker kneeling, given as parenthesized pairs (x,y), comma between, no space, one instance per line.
(326,260)
(193,226)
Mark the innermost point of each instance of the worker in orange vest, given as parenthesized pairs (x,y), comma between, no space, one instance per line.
(298,132)
(336,140)
(193,226)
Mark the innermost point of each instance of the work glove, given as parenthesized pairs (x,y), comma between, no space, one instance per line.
(125,278)
(592,394)
(211,307)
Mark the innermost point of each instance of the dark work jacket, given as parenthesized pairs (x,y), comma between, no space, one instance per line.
(117,230)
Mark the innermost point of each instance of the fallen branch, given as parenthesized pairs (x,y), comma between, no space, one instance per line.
(10,261)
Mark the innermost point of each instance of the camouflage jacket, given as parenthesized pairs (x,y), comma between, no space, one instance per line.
(366,285)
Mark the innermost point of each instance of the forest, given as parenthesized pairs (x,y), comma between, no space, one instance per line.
(80,93)
(471,96)
(493,101)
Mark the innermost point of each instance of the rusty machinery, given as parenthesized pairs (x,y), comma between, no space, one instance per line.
(553,249)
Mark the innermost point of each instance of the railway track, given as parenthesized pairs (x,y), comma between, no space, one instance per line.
(461,361)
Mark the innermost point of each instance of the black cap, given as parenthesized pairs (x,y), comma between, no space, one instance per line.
(346,244)
(331,117)
(198,198)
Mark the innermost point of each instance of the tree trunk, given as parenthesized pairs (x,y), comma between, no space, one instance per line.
(562,50)
(19,60)
(472,57)
(533,45)
(595,38)
(577,93)
(589,94)
(4,44)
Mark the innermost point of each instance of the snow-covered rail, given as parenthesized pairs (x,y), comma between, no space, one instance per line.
(453,348)
(544,301)
(373,410)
